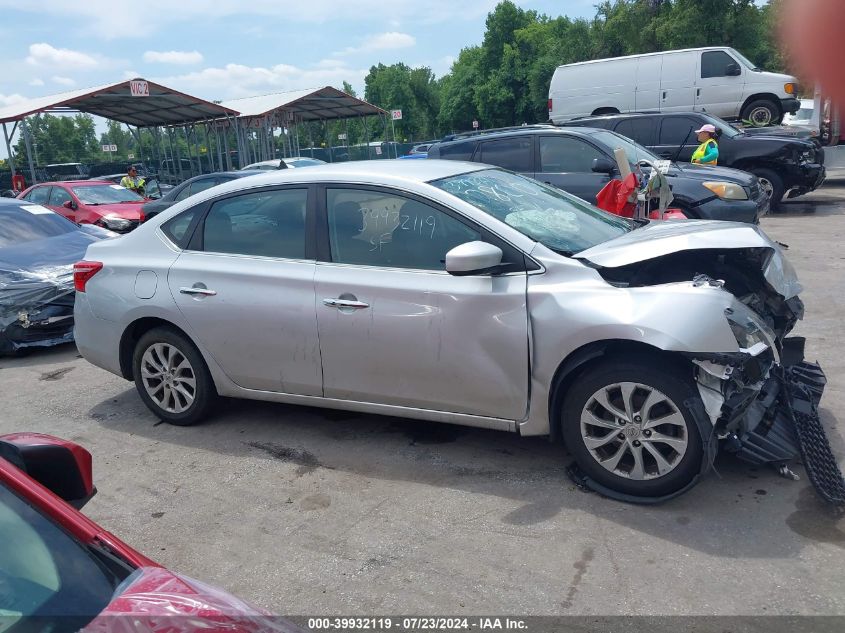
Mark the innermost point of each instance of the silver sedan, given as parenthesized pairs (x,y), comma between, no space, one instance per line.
(450,292)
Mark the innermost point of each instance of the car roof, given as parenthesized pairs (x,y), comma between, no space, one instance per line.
(95,181)
(633,115)
(387,171)
(482,136)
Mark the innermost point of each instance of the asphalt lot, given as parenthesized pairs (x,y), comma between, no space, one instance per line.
(304,511)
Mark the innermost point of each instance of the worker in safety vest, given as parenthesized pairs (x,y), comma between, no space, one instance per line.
(708,152)
(133,181)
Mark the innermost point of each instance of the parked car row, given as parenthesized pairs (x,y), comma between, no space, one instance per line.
(786,167)
(581,162)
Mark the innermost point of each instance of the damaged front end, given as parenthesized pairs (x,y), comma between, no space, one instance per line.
(36,307)
(761,400)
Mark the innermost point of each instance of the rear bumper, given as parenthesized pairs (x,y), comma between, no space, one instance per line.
(790,105)
(97,340)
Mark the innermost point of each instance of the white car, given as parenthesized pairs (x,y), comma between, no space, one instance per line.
(289,163)
(803,116)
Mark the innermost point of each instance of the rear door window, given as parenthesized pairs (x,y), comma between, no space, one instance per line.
(457,151)
(508,153)
(566,154)
(261,223)
(39,195)
(678,130)
(640,130)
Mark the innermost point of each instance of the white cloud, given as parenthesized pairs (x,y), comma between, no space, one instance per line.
(173,57)
(8,100)
(43,54)
(63,81)
(391,40)
(100,17)
(35,81)
(130,74)
(237,80)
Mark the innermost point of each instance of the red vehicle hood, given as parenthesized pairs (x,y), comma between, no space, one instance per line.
(125,210)
(159,600)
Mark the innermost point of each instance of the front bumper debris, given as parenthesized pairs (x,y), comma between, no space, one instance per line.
(776,425)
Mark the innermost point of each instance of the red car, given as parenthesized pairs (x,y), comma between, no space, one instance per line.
(60,571)
(99,202)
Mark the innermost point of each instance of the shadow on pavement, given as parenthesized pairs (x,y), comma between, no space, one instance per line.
(722,516)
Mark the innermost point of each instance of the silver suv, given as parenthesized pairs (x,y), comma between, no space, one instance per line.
(451,292)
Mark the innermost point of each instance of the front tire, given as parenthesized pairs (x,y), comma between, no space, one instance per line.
(761,113)
(772,185)
(172,377)
(626,425)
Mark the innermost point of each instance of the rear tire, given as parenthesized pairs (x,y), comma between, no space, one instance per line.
(772,184)
(172,377)
(761,113)
(625,423)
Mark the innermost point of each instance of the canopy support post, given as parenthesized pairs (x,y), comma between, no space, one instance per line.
(208,151)
(27,139)
(9,149)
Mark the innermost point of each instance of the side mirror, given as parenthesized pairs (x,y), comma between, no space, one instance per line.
(473,258)
(733,70)
(61,466)
(70,204)
(603,166)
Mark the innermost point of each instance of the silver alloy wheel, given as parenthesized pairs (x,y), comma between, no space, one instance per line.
(766,186)
(634,431)
(168,377)
(760,116)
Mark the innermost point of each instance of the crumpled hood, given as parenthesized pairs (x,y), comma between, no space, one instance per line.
(125,210)
(664,238)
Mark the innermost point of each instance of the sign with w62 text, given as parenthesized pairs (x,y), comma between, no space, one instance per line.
(139,88)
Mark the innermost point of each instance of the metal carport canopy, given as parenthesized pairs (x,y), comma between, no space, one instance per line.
(316,104)
(164,106)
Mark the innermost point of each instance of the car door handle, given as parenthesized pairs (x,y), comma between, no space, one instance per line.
(345,303)
(698,92)
(198,291)
(664,94)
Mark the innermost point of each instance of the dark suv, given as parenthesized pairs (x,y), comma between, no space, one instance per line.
(581,162)
(785,166)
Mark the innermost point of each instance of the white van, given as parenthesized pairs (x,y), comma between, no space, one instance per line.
(717,80)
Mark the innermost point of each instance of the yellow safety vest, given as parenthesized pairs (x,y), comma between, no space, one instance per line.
(132,183)
(698,154)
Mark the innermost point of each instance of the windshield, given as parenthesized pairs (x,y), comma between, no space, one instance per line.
(558,220)
(726,128)
(633,151)
(47,574)
(33,222)
(745,61)
(105,194)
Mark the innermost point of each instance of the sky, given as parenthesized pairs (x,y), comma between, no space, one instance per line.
(224,49)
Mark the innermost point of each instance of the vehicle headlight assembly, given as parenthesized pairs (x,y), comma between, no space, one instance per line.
(726,190)
(752,335)
(115,223)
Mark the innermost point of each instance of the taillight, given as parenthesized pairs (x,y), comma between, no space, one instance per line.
(83,271)
(550,105)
